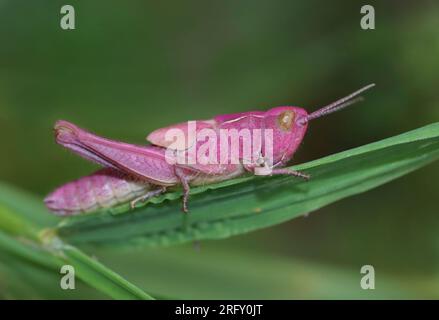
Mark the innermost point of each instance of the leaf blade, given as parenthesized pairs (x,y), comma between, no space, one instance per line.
(52,257)
(246,204)
(102,278)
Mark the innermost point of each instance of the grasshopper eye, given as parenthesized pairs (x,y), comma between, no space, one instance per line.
(286,120)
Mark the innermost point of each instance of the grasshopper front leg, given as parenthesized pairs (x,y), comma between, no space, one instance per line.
(263,168)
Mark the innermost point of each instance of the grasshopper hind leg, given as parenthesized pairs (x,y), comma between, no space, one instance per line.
(147,196)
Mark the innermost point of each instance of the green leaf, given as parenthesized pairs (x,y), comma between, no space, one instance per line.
(25,207)
(29,271)
(102,278)
(250,203)
(13,223)
(24,244)
(55,254)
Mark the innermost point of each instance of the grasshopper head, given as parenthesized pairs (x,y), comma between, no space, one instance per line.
(288,127)
(289,124)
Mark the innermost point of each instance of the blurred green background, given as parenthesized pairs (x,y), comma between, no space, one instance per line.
(131,67)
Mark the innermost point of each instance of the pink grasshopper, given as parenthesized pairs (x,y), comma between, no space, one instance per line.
(137,173)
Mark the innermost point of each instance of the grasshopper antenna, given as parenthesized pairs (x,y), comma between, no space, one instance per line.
(339,104)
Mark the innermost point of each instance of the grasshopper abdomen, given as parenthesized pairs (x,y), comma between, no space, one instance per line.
(103,189)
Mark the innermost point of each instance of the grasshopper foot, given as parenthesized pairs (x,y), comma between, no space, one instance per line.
(285,171)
